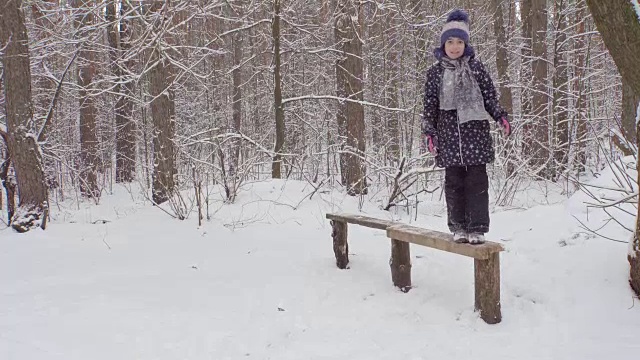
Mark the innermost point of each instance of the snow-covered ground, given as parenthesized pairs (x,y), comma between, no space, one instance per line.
(123,280)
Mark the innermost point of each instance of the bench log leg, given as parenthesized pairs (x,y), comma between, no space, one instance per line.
(340,245)
(487,284)
(400,263)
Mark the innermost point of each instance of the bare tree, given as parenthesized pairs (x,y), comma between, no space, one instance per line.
(537,129)
(86,72)
(502,58)
(617,21)
(349,73)
(392,75)
(583,48)
(276,168)
(560,90)
(24,150)
(41,11)
(119,35)
(163,110)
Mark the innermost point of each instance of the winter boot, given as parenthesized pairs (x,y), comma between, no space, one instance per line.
(476,238)
(460,237)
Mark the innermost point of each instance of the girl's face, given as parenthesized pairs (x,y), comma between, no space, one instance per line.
(454,48)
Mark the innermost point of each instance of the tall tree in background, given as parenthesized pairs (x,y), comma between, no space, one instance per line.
(350,116)
(41,11)
(86,72)
(560,90)
(537,128)
(619,25)
(502,56)
(583,48)
(162,106)
(119,35)
(24,151)
(276,167)
(392,63)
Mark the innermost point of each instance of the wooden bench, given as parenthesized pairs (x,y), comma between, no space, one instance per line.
(486,257)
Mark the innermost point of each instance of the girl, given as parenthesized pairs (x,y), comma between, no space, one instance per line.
(458,95)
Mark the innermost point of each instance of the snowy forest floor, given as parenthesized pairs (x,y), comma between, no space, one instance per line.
(123,280)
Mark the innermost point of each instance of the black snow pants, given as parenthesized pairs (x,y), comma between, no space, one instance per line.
(466,190)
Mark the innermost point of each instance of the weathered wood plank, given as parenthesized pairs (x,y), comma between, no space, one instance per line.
(441,241)
(340,245)
(400,264)
(361,220)
(487,286)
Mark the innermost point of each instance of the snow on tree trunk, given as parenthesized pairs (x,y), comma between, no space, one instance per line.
(636,6)
(349,75)
(25,151)
(162,111)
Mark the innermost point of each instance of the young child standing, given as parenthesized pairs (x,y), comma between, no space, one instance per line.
(458,95)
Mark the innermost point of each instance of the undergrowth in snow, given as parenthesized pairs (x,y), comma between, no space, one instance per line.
(258,280)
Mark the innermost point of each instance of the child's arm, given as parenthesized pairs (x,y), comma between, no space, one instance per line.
(431,103)
(491,102)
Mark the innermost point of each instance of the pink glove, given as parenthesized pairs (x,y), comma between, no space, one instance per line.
(431,143)
(506,127)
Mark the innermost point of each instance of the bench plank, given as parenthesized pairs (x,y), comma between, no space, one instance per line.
(441,241)
(361,220)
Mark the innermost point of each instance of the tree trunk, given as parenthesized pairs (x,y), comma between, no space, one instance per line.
(392,74)
(502,65)
(276,166)
(163,115)
(236,107)
(560,91)
(118,34)
(537,129)
(350,116)
(525,68)
(86,72)
(375,31)
(630,101)
(583,59)
(618,23)
(24,150)
(502,56)
(43,86)
(8,182)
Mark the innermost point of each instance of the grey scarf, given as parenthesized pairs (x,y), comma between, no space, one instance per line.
(460,91)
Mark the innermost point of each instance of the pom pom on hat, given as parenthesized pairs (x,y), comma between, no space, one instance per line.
(458,15)
(457,25)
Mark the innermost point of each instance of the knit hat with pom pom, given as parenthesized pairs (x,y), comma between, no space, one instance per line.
(457,25)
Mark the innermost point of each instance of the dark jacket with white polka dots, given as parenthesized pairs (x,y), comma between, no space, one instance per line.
(464,144)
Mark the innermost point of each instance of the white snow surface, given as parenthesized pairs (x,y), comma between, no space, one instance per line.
(122,280)
(636,5)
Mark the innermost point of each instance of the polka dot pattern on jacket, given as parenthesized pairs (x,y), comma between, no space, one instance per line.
(464,144)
